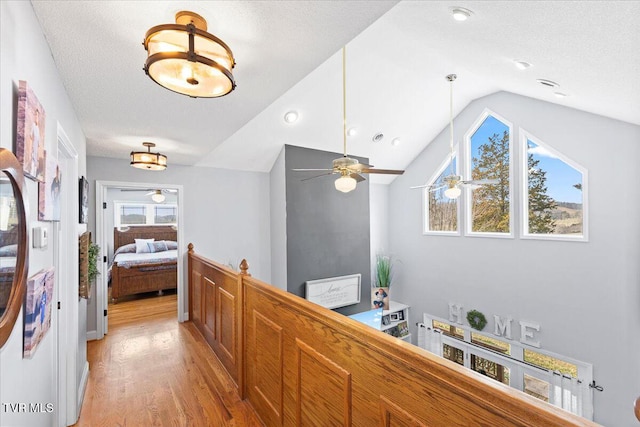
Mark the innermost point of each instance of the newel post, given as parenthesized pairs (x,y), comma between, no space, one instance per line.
(242,321)
(637,408)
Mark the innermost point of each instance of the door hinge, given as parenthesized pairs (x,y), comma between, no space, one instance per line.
(104,205)
(58,305)
(104,258)
(105,311)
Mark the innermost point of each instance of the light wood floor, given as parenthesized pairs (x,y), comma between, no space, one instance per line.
(152,371)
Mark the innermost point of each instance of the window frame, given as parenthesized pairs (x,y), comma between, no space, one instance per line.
(425,197)
(526,136)
(149,212)
(467,192)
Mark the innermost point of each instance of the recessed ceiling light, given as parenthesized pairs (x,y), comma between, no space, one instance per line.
(461,13)
(395,142)
(560,94)
(547,83)
(291,116)
(352,132)
(377,137)
(521,65)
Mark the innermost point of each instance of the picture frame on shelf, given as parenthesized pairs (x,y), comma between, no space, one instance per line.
(385,320)
(394,317)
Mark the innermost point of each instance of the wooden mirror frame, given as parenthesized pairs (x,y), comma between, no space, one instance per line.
(13,169)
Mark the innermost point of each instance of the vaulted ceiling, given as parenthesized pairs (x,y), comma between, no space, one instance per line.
(288,58)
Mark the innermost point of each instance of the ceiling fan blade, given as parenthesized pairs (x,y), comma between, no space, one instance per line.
(318,176)
(357,177)
(430,186)
(383,171)
(481,182)
(359,167)
(311,170)
(170,190)
(137,189)
(150,193)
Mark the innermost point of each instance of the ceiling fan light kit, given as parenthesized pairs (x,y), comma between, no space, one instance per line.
(185,58)
(147,160)
(157,196)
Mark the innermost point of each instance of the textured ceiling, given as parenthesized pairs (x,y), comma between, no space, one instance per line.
(288,58)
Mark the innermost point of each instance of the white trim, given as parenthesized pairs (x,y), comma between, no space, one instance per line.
(91,335)
(467,176)
(101,293)
(524,186)
(83,386)
(425,197)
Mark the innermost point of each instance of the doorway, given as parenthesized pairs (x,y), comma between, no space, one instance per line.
(105,223)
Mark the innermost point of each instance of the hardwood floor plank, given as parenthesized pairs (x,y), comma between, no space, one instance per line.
(152,371)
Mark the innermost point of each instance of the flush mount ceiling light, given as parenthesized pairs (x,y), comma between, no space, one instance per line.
(148,160)
(352,132)
(291,116)
(185,58)
(395,142)
(157,196)
(461,13)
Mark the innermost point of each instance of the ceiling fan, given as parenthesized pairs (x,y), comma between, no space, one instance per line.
(156,195)
(454,182)
(349,169)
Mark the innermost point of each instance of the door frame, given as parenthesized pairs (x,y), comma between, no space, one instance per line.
(102,301)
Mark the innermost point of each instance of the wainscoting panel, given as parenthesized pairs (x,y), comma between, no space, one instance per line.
(227,323)
(324,389)
(394,416)
(265,369)
(195,292)
(209,312)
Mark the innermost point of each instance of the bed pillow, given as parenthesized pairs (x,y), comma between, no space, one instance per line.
(142,245)
(159,246)
(126,249)
(171,244)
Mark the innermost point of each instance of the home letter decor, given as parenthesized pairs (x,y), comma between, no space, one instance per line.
(526,333)
(503,326)
(455,313)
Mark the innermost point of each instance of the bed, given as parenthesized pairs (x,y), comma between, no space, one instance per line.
(136,271)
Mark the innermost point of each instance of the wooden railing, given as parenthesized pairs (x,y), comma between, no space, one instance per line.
(300,364)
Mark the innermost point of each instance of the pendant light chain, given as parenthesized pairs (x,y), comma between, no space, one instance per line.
(344,99)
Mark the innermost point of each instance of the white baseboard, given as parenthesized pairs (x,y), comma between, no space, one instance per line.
(82,387)
(185,316)
(92,335)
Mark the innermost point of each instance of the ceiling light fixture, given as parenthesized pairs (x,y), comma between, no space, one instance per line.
(395,142)
(291,116)
(521,65)
(352,132)
(185,58)
(345,183)
(157,196)
(148,160)
(461,13)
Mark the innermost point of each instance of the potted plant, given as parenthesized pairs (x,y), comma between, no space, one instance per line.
(383,275)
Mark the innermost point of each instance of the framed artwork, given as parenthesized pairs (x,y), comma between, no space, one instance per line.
(334,292)
(49,192)
(38,302)
(84,200)
(30,133)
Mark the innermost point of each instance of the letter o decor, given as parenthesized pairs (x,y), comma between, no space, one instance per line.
(476,320)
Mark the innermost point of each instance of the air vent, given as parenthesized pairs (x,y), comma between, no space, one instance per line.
(547,83)
(378,137)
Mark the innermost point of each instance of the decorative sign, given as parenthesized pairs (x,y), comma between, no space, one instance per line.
(334,292)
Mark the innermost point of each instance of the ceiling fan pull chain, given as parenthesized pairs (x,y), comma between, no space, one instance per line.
(344,99)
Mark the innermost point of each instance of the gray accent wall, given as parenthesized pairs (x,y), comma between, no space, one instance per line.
(278,217)
(328,232)
(585,295)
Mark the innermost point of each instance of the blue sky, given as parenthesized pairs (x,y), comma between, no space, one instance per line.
(560,176)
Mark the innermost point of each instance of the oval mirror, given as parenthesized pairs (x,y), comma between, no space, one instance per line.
(14,249)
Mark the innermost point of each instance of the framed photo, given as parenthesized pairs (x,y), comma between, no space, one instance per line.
(394,317)
(38,302)
(385,320)
(49,192)
(30,133)
(400,315)
(403,329)
(84,200)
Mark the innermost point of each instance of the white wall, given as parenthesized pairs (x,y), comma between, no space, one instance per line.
(225,232)
(25,55)
(586,296)
(278,209)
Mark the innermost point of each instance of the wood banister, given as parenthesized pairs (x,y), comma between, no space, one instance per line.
(636,408)
(298,363)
